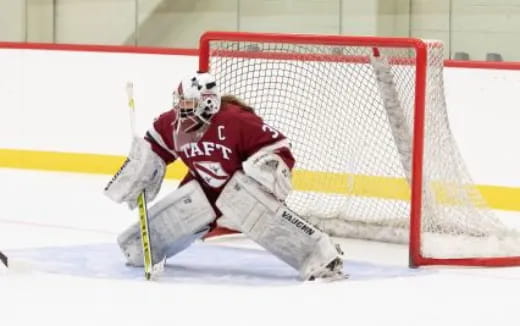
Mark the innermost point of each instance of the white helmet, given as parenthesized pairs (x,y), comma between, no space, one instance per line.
(198,96)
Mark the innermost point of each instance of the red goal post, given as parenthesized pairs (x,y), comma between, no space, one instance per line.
(397,173)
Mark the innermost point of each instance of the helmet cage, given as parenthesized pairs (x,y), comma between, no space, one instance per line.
(197,97)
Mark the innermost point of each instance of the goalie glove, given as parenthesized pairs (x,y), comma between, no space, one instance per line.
(142,170)
(270,170)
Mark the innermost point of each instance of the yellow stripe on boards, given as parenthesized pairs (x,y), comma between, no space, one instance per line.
(73,162)
(351,184)
(58,161)
(500,197)
(497,197)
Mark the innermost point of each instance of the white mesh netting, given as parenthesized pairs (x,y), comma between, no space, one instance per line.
(351,136)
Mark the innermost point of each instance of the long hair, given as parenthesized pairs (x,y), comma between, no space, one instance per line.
(232,99)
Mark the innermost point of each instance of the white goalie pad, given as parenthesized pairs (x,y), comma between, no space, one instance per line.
(267,221)
(174,222)
(142,170)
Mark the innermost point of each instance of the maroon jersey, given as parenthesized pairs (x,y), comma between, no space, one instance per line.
(233,135)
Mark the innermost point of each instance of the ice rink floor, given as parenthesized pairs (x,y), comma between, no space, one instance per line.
(59,230)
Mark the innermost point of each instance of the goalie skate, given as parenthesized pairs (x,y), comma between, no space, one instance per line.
(333,271)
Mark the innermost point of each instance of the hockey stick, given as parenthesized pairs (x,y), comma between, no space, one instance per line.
(141,200)
(14,266)
(4,259)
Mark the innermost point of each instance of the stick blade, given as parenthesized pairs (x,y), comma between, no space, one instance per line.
(4,259)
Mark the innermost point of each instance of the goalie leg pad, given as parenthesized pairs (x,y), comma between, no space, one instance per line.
(175,222)
(267,221)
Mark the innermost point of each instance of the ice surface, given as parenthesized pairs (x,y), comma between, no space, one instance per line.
(60,231)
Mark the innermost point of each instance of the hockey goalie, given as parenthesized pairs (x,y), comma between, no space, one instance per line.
(239,176)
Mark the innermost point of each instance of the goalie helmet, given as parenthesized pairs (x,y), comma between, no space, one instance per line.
(197,96)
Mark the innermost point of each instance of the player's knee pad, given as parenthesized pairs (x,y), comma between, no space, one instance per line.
(267,221)
(174,223)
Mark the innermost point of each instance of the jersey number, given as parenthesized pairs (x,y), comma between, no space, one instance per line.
(270,129)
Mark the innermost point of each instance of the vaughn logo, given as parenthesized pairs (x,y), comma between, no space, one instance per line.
(298,222)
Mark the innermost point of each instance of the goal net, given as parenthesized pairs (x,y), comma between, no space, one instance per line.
(367,120)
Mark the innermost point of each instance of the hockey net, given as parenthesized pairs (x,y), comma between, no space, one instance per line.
(368,124)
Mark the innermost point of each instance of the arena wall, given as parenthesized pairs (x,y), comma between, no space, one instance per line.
(65,108)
